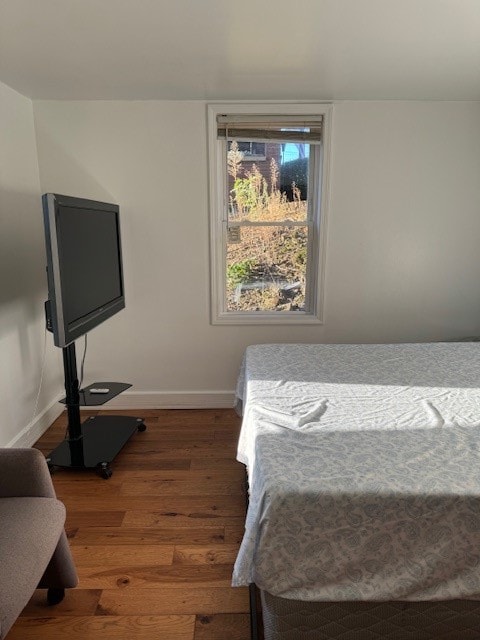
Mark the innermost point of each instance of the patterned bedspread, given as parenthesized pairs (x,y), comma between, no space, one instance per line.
(364,470)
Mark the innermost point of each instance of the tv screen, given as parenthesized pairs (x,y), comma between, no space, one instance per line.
(84,264)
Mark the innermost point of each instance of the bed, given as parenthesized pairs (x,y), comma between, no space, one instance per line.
(364,489)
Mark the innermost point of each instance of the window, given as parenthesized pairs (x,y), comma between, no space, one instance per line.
(267,212)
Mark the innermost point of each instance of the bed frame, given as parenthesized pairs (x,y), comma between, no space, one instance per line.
(441,620)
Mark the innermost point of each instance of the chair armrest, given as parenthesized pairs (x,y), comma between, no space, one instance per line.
(24,473)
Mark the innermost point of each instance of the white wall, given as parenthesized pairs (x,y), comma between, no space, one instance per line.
(22,281)
(403,229)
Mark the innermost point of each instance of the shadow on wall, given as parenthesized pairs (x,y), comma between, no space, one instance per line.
(23,281)
(62,173)
(22,242)
(22,247)
(22,269)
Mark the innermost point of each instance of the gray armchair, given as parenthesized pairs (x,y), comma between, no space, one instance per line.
(34,551)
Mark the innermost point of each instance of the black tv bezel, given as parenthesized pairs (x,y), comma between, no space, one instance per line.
(63,333)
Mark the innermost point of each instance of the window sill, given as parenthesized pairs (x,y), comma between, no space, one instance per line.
(266,318)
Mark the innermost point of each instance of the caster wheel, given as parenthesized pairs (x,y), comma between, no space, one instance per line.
(142,427)
(104,471)
(51,467)
(54,596)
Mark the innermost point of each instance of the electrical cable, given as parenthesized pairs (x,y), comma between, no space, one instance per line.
(83,363)
(44,358)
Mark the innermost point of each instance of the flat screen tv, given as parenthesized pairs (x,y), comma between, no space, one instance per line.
(84,265)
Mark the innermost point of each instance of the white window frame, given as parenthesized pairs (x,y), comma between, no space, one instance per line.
(318,204)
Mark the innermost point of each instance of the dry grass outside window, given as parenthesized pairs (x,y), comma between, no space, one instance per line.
(266,270)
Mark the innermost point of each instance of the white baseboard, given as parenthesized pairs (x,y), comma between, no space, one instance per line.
(37,427)
(171,400)
(128,400)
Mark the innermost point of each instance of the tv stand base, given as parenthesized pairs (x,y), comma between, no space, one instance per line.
(101,439)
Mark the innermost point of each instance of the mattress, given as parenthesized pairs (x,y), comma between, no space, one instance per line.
(363,465)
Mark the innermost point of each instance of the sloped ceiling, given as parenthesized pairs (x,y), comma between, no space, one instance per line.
(241,49)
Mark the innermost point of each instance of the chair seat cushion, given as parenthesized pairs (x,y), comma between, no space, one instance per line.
(29,531)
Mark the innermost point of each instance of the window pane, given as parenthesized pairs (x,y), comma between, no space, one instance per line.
(266,269)
(250,148)
(273,189)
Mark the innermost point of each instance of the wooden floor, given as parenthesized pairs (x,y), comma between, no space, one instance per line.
(154,545)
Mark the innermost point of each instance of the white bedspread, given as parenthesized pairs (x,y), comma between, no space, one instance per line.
(364,469)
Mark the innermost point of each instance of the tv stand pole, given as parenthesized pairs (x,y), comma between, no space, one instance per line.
(96,442)
(73,405)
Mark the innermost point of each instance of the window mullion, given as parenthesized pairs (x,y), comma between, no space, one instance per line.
(269,223)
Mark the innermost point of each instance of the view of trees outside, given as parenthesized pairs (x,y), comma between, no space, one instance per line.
(267,254)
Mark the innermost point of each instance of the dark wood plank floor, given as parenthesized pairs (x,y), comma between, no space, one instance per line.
(155,544)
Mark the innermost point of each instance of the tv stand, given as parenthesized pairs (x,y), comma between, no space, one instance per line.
(95,443)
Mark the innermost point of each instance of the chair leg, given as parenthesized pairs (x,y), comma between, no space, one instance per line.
(54,596)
